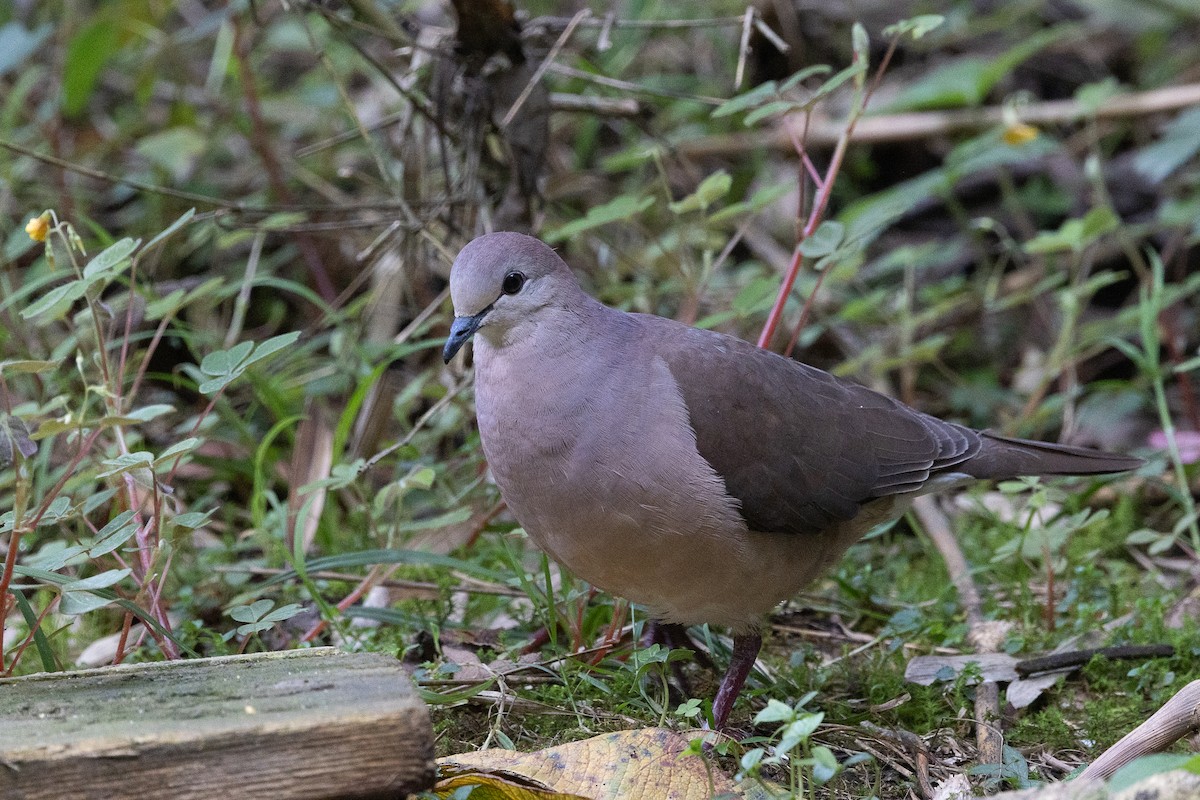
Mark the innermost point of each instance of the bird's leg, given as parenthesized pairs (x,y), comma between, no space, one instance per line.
(745,651)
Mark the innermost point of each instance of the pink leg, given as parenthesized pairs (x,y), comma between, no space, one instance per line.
(745,650)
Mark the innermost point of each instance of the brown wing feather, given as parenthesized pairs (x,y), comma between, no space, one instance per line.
(799,448)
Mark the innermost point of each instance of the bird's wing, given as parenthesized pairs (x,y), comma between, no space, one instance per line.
(799,448)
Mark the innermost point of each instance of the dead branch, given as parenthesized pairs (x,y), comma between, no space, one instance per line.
(824,131)
(988,737)
(1178,717)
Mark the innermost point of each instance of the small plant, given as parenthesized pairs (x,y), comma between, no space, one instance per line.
(1013,773)
(790,748)
(259,616)
(94,503)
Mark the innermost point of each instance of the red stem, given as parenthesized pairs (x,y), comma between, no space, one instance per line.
(817,215)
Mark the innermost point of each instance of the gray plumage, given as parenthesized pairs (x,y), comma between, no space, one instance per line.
(684,469)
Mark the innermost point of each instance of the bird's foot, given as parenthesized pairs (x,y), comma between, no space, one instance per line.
(745,651)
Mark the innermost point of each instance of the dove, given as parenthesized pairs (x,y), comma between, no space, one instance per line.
(688,471)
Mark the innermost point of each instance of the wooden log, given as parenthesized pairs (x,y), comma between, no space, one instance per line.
(297,725)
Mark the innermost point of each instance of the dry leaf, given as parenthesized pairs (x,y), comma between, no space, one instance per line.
(647,764)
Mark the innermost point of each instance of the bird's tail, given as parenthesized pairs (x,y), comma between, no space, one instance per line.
(1001,457)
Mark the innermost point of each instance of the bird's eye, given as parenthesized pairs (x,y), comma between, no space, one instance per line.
(513,282)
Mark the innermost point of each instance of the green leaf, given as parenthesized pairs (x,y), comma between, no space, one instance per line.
(622,208)
(147,413)
(284,612)
(164,306)
(270,347)
(54,303)
(962,82)
(170,229)
(840,77)
(631,157)
(76,603)
(102,581)
(1179,143)
(60,509)
(771,110)
(800,730)
(168,304)
(455,517)
(751,759)
(711,189)
(55,555)
(225,365)
(87,53)
(127,462)
(191,519)
(105,264)
(179,448)
(224,362)
(54,579)
(419,478)
(803,75)
(861,44)
(53,426)
(28,366)
(756,296)
(968,80)
(776,711)
(253,612)
(118,531)
(917,26)
(1091,96)
(1139,769)
(1075,234)
(825,764)
(366,558)
(1144,536)
(175,150)
(747,100)
(45,652)
(824,240)
(759,200)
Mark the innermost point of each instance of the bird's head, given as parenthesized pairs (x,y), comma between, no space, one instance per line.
(501,281)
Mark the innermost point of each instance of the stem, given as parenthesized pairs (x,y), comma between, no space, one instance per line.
(20,500)
(817,214)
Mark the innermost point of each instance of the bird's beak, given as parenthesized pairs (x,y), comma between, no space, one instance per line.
(460,331)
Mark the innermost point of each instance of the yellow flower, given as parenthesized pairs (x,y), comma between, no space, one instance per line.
(39,227)
(1018,133)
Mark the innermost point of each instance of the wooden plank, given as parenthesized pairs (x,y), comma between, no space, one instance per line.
(300,725)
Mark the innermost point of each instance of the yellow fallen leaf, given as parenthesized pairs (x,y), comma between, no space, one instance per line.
(495,785)
(648,764)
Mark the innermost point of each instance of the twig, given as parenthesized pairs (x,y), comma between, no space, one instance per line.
(604,40)
(826,131)
(1056,662)
(260,141)
(937,528)
(989,739)
(817,212)
(917,751)
(628,86)
(770,35)
(557,23)
(79,169)
(743,47)
(540,72)
(591,104)
(1178,717)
